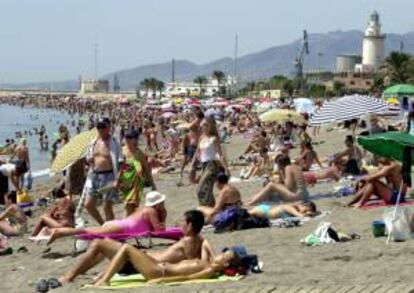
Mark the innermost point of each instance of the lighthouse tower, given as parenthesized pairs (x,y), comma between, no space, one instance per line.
(373,44)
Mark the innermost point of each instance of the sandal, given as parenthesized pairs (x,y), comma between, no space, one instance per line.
(54,283)
(42,286)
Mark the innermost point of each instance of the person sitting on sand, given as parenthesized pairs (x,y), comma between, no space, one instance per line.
(372,185)
(354,157)
(308,157)
(60,216)
(163,272)
(13,221)
(291,185)
(229,196)
(149,218)
(260,166)
(258,143)
(307,209)
(191,246)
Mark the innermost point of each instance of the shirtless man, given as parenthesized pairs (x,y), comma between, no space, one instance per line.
(103,157)
(229,196)
(371,184)
(21,153)
(191,246)
(291,185)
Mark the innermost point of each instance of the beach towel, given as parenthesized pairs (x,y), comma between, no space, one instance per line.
(131,181)
(171,233)
(137,280)
(379,203)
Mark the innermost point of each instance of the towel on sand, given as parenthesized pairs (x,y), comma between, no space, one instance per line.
(137,280)
(379,203)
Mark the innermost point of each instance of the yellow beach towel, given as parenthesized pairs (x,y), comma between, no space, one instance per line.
(137,280)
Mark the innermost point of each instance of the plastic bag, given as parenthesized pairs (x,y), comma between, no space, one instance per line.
(397,223)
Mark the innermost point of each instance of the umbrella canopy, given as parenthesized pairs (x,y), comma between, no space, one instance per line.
(74,150)
(393,101)
(168,115)
(281,116)
(350,107)
(304,105)
(400,90)
(389,144)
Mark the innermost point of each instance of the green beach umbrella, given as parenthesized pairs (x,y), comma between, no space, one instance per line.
(388,144)
(400,90)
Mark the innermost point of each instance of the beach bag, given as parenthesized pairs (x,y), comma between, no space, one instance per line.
(247,221)
(397,223)
(226,220)
(324,234)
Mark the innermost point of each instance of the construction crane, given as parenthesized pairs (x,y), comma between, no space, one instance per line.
(300,59)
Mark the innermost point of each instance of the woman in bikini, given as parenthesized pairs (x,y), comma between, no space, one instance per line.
(13,221)
(157,272)
(149,218)
(307,209)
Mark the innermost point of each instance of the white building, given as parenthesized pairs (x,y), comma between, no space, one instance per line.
(193,89)
(373,46)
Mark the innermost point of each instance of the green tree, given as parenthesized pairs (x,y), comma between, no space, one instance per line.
(220,77)
(398,67)
(288,87)
(201,81)
(338,88)
(153,85)
(317,90)
(145,84)
(160,87)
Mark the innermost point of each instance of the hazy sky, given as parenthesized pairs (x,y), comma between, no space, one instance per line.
(53,39)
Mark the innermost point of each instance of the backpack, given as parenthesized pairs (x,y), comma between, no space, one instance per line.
(247,221)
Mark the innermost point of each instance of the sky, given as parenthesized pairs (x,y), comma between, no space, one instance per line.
(50,40)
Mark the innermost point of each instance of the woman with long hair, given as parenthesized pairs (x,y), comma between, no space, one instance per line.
(211,156)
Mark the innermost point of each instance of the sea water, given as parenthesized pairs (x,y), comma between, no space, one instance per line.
(14,118)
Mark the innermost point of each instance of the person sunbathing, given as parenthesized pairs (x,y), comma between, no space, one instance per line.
(258,143)
(149,218)
(61,215)
(308,157)
(260,166)
(332,172)
(307,209)
(372,185)
(163,272)
(13,221)
(291,185)
(229,196)
(191,246)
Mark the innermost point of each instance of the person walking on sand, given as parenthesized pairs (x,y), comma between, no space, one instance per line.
(103,158)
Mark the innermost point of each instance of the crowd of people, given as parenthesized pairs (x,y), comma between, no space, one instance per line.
(134,143)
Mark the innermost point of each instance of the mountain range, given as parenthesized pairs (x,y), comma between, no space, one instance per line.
(323,47)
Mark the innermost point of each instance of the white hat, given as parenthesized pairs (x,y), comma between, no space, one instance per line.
(153,198)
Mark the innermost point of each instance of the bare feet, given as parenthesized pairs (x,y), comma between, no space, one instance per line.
(55,235)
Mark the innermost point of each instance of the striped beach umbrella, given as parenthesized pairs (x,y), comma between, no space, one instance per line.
(73,151)
(350,107)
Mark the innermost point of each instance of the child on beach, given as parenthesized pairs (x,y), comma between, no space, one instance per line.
(13,221)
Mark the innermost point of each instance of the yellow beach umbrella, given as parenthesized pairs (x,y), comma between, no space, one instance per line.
(393,101)
(74,150)
(282,116)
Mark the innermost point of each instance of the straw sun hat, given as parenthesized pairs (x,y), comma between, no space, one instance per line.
(153,198)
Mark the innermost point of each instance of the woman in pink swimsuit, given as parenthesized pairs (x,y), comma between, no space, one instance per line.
(149,218)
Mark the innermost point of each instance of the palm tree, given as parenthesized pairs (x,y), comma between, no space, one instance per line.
(160,87)
(153,84)
(288,87)
(219,76)
(200,80)
(338,87)
(399,67)
(251,87)
(146,85)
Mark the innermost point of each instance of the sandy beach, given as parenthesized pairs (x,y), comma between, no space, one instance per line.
(364,265)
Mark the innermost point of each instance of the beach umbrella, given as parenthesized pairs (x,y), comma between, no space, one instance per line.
(393,101)
(246,101)
(263,107)
(74,150)
(388,144)
(400,90)
(168,115)
(350,107)
(282,116)
(304,105)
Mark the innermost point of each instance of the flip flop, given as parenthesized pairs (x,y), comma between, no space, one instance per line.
(54,283)
(42,286)
(22,249)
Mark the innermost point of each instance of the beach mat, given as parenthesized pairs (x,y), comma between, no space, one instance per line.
(137,280)
(379,203)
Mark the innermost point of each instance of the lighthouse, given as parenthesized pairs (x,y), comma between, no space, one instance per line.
(373,44)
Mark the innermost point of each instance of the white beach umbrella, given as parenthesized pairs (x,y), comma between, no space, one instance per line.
(349,107)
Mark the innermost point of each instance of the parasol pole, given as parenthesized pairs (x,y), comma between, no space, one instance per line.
(396,208)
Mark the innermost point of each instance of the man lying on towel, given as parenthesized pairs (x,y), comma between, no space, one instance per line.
(191,246)
(372,185)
